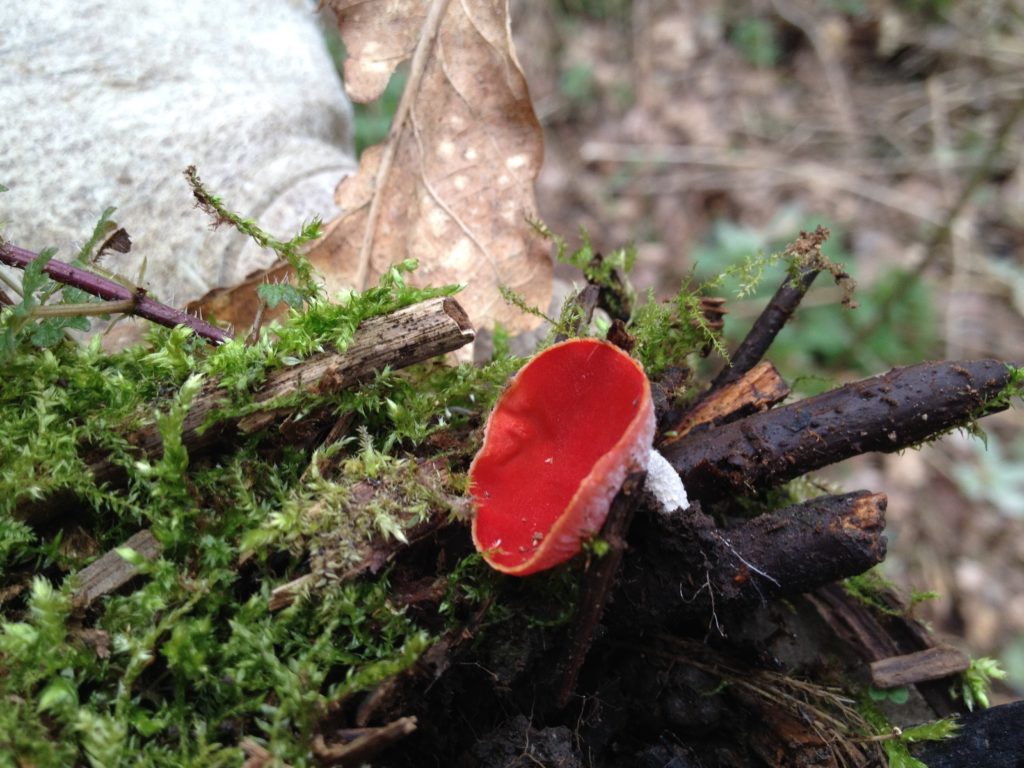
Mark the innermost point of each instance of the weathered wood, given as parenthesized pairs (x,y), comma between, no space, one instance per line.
(111,571)
(403,338)
(875,634)
(886,413)
(930,664)
(757,390)
(993,738)
(683,564)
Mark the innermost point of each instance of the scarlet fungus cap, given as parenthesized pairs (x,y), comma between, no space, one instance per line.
(572,424)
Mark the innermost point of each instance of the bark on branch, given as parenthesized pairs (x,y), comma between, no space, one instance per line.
(886,413)
(135,301)
(683,564)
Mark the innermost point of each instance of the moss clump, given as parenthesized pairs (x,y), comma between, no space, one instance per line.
(191,662)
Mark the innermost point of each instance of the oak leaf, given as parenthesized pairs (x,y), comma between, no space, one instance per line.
(452,186)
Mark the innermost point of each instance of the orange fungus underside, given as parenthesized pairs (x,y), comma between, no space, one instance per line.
(558,446)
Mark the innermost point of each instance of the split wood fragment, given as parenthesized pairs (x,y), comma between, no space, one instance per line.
(757,390)
(929,664)
(111,571)
(875,634)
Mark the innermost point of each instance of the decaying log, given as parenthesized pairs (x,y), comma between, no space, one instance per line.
(875,635)
(919,667)
(756,390)
(111,571)
(683,564)
(402,338)
(886,413)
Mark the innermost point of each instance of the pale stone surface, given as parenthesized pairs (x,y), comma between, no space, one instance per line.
(106,103)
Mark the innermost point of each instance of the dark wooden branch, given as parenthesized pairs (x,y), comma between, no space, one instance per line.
(806,250)
(598,583)
(886,413)
(918,667)
(683,564)
(111,571)
(767,326)
(140,304)
(992,738)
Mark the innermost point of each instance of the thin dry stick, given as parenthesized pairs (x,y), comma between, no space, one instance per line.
(597,585)
(416,69)
(141,304)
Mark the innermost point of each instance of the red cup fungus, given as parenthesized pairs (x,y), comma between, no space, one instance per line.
(572,424)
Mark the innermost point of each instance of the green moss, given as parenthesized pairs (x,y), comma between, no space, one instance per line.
(191,661)
(895,741)
(870,588)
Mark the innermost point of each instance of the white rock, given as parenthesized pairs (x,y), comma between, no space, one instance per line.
(106,102)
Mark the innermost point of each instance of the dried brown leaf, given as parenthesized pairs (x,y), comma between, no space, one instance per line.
(454,182)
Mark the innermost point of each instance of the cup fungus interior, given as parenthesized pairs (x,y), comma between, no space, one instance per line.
(557,447)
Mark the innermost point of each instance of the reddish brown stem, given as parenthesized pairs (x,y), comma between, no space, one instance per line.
(94,284)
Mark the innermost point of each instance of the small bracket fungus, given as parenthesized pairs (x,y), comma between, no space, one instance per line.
(573,423)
